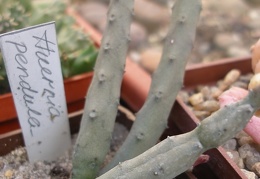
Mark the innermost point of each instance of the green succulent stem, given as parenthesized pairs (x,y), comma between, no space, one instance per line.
(103,95)
(167,80)
(176,154)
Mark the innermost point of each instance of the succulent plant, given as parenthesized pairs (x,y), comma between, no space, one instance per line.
(139,157)
(77,56)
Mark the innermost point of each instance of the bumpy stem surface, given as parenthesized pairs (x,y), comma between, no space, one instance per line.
(176,154)
(151,120)
(103,95)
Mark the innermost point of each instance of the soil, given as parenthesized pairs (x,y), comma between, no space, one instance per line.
(16,166)
(226,29)
(242,149)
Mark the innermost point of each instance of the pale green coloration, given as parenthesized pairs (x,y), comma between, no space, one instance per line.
(151,120)
(176,154)
(103,95)
(228,121)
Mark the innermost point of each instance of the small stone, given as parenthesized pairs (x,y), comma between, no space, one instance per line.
(225,40)
(234,155)
(204,48)
(240,163)
(253,23)
(240,134)
(245,140)
(246,78)
(230,144)
(240,84)
(135,56)
(250,155)
(196,99)
(215,92)
(210,106)
(158,36)
(201,114)
(253,3)
(150,59)
(248,174)
(205,90)
(231,77)
(138,36)
(2,165)
(9,173)
(59,171)
(94,12)
(235,51)
(184,96)
(254,82)
(152,16)
(256,168)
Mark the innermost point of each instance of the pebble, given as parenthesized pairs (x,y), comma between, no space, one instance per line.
(249,175)
(249,154)
(2,164)
(246,78)
(254,16)
(231,31)
(206,92)
(135,56)
(230,8)
(231,144)
(253,3)
(95,13)
(215,92)
(58,171)
(196,99)
(201,114)
(235,51)
(184,96)
(234,155)
(245,140)
(240,84)
(256,168)
(150,58)
(241,134)
(9,173)
(231,77)
(226,40)
(151,15)
(209,105)
(138,36)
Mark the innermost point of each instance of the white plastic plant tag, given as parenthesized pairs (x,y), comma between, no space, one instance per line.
(32,62)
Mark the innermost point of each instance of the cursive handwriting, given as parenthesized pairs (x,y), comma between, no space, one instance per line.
(43,47)
(27,91)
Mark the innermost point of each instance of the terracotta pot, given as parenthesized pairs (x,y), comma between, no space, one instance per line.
(135,86)
(207,74)
(181,119)
(75,101)
(136,81)
(11,140)
(133,91)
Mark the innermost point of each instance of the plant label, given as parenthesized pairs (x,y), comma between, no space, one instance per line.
(32,62)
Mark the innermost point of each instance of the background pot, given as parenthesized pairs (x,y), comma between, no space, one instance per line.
(135,88)
(207,74)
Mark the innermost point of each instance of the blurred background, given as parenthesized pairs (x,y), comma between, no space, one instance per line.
(226,28)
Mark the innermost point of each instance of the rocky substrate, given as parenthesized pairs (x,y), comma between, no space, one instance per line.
(226,29)
(203,101)
(15,165)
